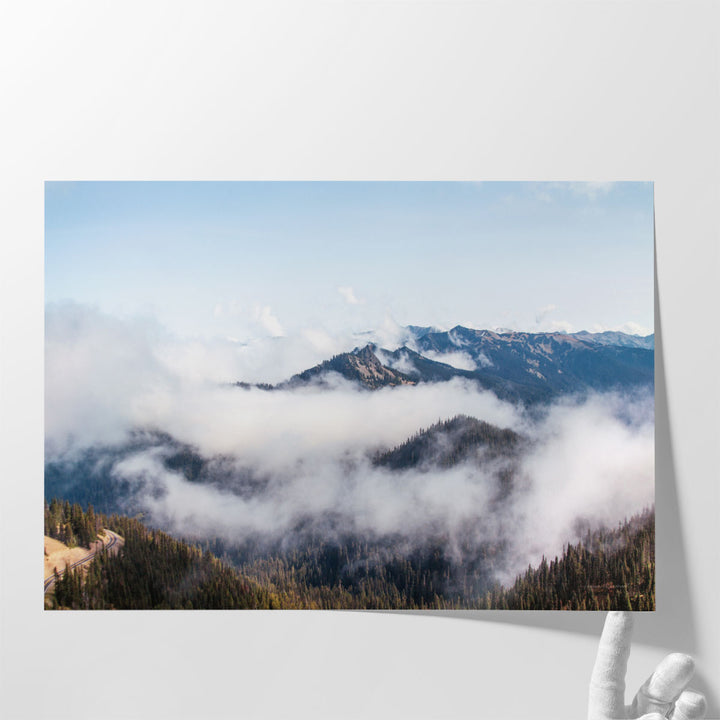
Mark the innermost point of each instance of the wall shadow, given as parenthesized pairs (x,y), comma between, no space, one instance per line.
(672,626)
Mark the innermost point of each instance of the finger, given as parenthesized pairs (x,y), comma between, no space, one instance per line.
(607,683)
(690,705)
(661,689)
(653,716)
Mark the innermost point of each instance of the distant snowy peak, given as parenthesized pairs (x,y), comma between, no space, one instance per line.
(619,339)
(461,337)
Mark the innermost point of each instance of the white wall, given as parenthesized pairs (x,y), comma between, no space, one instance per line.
(361,90)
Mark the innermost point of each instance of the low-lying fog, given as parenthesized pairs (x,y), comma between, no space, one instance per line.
(589,460)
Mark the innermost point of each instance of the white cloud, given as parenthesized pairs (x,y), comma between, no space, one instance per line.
(105,376)
(402,364)
(263,315)
(231,309)
(630,328)
(558,326)
(459,360)
(349,296)
(98,373)
(543,312)
(282,426)
(591,190)
(391,334)
(588,463)
(322,341)
(543,323)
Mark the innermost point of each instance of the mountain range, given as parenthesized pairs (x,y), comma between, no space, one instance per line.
(516,366)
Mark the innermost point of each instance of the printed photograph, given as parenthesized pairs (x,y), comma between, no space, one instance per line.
(349,395)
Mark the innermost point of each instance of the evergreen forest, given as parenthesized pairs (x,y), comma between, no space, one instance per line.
(611,568)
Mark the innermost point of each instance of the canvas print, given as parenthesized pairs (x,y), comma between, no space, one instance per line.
(335,395)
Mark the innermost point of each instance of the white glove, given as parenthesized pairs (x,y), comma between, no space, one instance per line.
(663,695)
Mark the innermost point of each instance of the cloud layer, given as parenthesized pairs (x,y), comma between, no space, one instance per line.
(589,461)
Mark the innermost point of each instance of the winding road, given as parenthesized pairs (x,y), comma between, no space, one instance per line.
(113,541)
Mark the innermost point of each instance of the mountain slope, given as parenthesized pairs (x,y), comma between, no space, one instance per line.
(361,366)
(424,369)
(553,363)
(153,570)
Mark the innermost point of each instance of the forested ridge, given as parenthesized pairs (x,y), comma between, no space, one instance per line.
(70,524)
(449,442)
(151,571)
(608,569)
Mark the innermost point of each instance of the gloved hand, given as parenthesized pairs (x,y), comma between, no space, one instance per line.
(663,695)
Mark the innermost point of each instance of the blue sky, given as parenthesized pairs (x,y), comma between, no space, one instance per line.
(242,259)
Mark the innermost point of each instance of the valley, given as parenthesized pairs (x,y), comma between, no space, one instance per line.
(460,469)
